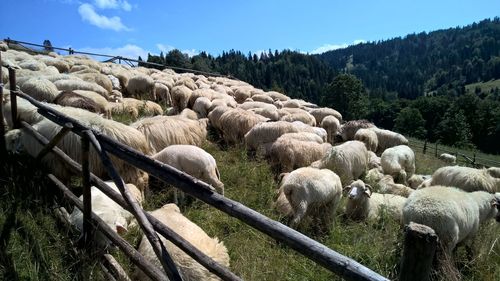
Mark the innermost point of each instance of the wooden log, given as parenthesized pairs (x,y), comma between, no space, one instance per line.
(115,268)
(343,266)
(221,271)
(165,259)
(54,141)
(107,274)
(149,269)
(419,249)
(13,100)
(87,197)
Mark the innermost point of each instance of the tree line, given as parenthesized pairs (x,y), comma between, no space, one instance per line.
(415,85)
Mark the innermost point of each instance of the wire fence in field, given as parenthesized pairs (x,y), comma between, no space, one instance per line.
(468,158)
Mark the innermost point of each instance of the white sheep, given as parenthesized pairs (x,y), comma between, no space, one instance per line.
(373,176)
(302,116)
(40,89)
(201,106)
(141,86)
(235,123)
(331,126)
(374,161)
(193,161)
(180,97)
(386,185)
(108,210)
(455,215)
(287,154)
(348,160)
(448,158)
(320,113)
(171,216)
(189,114)
(468,179)
(399,162)
(494,172)
(349,129)
(363,204)
(311,192)
(71,85)
(99,79)
(267,132)
(416,180)
(368,137)
(163,131)
(387,138)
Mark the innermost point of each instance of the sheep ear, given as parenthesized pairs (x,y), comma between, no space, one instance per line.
(368,192)
(281,176)
(346,188)
(120,229)
(369,187)
(494,203)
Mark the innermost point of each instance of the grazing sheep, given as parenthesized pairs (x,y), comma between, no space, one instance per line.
(348,160)
(331,126)
(448,158)
(163,131)
(108,210)
(25,111)
(162,94)
(70,144)
(201,106)
(468,179)
(190,270)
(386,185)
(99,79)
(416,180)
(71,85)
(388,139)
(287,154)
(40,89)
(455,215)
(215,114)
(256,104)
(368,137)
(186,82)
(373,176)
(267,112)
(241,94)
(189,114)
(180,97)
(302,116)
(349,129)
(374,161)
(292,103)
(193,161)
(320,113)
(267,132)
(399,162)
(263,98)
(311,192)
(115,82)
(303,136)
(206,93)
(235,123)
(141,87)
(277,96)
(310,129)
(362,204)
(69,98)
(494,172)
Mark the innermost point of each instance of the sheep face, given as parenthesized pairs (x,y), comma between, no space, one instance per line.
(13,140)
(357,192)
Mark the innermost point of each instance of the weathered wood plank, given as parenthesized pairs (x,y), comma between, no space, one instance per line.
(419,249)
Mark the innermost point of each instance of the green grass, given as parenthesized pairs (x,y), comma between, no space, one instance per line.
(254,256)
(485,87)
(33,246)
(480,157)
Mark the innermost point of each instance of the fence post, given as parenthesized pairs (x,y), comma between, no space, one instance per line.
(425,147)
(13,99)
(419,249)
(474,160)
(3,151)
(87,202)
(436,150)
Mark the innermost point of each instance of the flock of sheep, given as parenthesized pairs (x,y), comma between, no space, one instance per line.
(319,157)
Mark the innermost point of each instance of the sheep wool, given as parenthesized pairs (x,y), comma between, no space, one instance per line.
(399,162)
(455,215)
(40,89)
(312,192)
(171,216)
(465,178)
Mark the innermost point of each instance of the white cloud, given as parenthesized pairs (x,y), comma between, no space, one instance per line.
(113,4)
(167,48)
(88,13)
(331,47)
(128,51)
(164,48)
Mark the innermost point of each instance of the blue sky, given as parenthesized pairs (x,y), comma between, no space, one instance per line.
(131,28)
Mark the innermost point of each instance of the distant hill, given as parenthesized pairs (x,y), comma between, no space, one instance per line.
(426,62)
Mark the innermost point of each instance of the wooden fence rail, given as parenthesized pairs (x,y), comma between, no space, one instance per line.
(326,257)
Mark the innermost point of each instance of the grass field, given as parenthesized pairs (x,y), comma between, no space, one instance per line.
(485,87)
(36,247)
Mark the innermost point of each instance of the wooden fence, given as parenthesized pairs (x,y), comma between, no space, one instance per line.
(462,158)
(324,256)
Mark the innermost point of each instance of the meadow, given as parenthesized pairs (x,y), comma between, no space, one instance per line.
(36,247)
